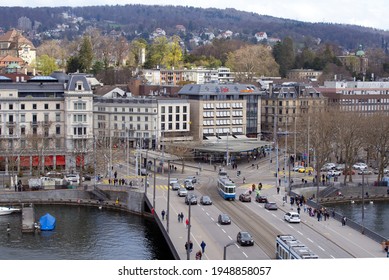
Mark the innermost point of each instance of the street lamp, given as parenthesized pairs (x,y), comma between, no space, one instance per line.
(168,199)
(188,240)
(225,249)
(363,201)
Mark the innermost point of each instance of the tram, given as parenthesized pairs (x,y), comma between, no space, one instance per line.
(289,248)
(226,187)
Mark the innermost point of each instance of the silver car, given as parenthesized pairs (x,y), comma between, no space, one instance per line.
(182,192)
(175,186)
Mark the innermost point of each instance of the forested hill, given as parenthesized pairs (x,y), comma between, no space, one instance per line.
(145,19)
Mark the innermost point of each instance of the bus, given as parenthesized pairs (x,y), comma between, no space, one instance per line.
(226,187)
(289,248)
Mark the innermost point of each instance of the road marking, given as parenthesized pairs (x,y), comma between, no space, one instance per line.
(274,215)
(310,240)
(212,219)
(300,232)
(332,256)
(290,226)
(320,248)
(229,237)
(223,230)
(207,213)
(245,254)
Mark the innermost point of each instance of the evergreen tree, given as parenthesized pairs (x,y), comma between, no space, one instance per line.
(283,53)
(86,55)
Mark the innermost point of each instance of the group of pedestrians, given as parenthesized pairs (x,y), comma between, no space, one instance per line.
(180,217)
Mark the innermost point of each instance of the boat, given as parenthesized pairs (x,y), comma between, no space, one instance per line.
(47,222)
(8,210)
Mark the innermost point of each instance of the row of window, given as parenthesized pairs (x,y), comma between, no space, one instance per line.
(222,122)
(169,109)
(34,106)
(178,126)
(223,105)
(34,131)
(223,130)
(170,118)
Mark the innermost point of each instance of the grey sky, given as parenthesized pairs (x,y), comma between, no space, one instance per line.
(365,13)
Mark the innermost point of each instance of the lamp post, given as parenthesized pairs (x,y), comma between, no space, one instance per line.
(225,249)
(188,240)
(168,199)
(154,183)
(363,201)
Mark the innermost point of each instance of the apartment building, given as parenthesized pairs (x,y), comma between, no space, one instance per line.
(45,123)
(218,110)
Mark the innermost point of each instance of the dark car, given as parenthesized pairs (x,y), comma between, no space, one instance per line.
(224,219)
(245,197)
(189,185)
(175,186)
(244,239)
(271,206)
(87,177)
(205,200)
(261,199)
(192,198)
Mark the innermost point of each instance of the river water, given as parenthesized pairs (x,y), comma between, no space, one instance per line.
(84,233)
(376,214)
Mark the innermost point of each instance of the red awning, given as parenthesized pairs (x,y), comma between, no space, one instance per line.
(49,160)
(25,161)
(35,160)
(80,160)
(60,160)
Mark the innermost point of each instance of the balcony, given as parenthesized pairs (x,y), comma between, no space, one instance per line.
(11,124)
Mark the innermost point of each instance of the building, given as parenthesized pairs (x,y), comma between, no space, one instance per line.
(46,123)
(282,104)
(303,74)
(13,43)
(220,110)
(357,96)
(357,62)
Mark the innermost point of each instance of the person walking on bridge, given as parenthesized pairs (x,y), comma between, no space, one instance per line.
(163,215)
(203,246)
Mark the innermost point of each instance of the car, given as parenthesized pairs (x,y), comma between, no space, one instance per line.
(340,166)
(348,172)
(205,200)
(386,171)
(328,166)
(191,198)
(365,172)
(261,199)
(224,219)
(296,168)
(360,166)
(87,177)
(175,186)
(292,217)
(271,206)
(243,238)
(189,185)
(245,197)
(173,180)
(333,173)
(305,169)
(182,192)
(193,179)
(72,178)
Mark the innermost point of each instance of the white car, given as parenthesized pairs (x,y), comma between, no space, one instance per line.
(296,168)
(72,178)
(359,166)
(333,173)
(182,192)
(292,217)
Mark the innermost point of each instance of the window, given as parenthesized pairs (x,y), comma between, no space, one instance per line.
(23,144)
(57,106)
(177,126)
(170,118)
(138,119)
(184,109)
(34,130)
(46,106)
(34,106)
(79,105)
(11,106)
(177,109)
(177,118)
(170,109)
(58,130)
(22,118)
(57,117)
(163,110)
(46,132)
(146,127)
(46,118)
(23,130)
(22,106)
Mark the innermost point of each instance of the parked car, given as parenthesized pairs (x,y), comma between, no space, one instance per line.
(386,171)
(292,217)
(205,200)
(271,206)
(72,178)
(365,172)
(328,166)
(245,197)
(340,166)
(193,179)
(305,170)
(175,186)
(333,173)
(182,192)
(296,168)
(261,199)
(189,185)
(224,219)
(244,239)
(360,166)
(191,198)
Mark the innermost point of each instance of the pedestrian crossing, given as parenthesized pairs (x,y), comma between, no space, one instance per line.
(249,186)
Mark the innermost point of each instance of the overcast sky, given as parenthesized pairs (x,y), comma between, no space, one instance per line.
(371,13)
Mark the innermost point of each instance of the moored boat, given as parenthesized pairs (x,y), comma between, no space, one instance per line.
(8,210)
(47,222)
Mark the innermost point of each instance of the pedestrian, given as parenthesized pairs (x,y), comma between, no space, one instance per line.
(279,182)
(190,246)
(203,246)
(278,190)
(182,217)
(152,211)
(198,255)
(244,180)
(163,215)
(115,174)
(298,209)
(179,217)
(344,219)
(187,222)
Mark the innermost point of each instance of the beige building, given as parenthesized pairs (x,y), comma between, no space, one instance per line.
(303,74)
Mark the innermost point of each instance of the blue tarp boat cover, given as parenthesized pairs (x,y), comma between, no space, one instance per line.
(47,222)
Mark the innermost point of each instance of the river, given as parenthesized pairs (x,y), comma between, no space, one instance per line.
(84,233)
(376,214)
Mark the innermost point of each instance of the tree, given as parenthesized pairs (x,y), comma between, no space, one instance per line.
(46,65)
(73,64)
(174,56)
(252,61)
(158,51)
(283,53)
(86,55)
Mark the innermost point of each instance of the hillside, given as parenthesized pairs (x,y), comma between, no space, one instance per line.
(141,20)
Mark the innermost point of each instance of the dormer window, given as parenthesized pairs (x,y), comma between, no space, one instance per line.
(79,86)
